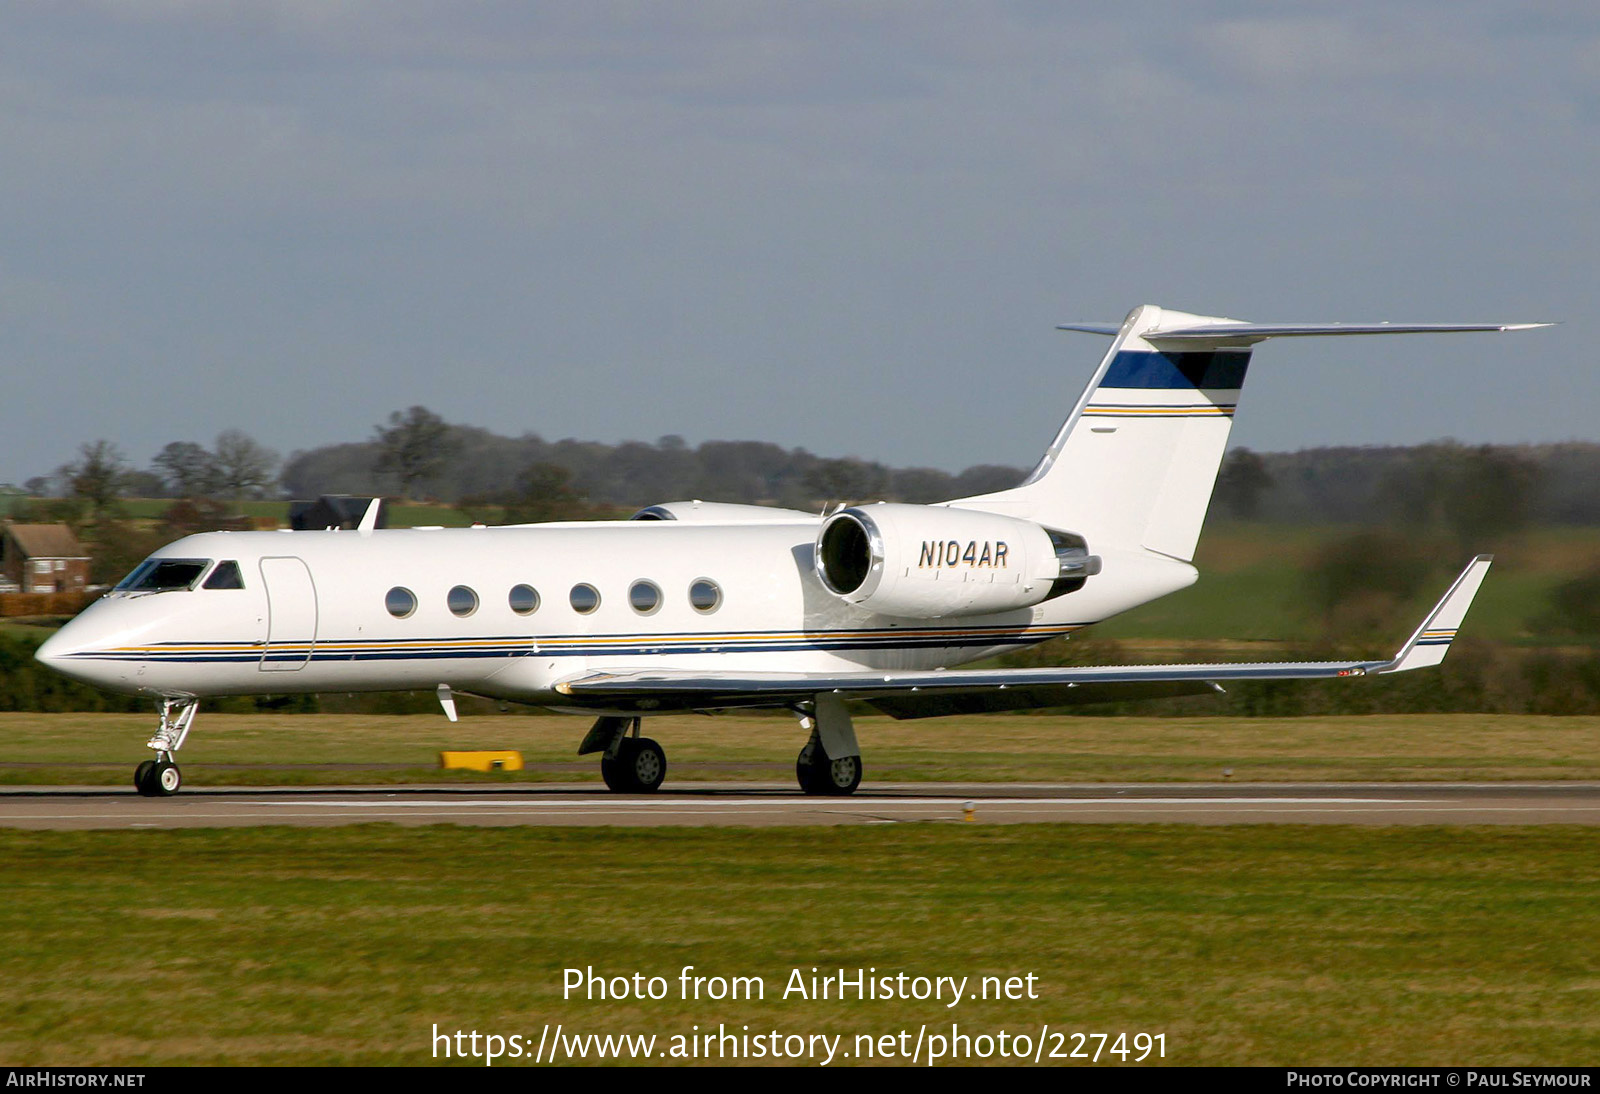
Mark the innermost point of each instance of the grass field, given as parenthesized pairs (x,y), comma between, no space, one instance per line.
(102,748)
(1260,945)
(1252,576)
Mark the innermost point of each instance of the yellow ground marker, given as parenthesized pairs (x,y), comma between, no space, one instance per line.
(481,761)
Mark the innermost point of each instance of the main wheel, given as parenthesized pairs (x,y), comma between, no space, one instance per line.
(638,768)
(819,774)
(141,776)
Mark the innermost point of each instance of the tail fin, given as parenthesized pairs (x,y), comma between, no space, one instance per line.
(1135,462)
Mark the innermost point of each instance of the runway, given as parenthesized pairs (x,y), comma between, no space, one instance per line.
(698,804)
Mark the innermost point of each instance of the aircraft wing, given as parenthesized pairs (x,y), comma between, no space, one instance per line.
(918,694)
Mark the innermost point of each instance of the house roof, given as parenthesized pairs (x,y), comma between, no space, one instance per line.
(46,541)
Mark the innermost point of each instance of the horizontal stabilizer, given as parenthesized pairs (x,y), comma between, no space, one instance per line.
(1107,329)
(1232,333)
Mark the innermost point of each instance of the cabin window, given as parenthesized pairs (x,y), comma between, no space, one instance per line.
(160,575)
(645,597)
(400,602)
(584,599)
(524,599)
(225,576)
(705,595)
(462,601)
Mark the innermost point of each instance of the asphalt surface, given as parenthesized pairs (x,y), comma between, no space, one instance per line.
(766,804)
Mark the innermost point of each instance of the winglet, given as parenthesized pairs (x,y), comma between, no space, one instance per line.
(1431,641)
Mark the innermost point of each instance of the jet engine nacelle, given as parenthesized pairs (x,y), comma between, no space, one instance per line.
(926,561)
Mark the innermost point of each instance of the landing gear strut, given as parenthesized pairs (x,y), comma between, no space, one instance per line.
(160,777)
(629,763)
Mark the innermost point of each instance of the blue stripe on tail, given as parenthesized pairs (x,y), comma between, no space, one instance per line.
(1222,369)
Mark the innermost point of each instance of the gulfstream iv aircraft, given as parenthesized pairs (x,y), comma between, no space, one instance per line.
(701,607)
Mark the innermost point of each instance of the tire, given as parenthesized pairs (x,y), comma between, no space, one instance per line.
(165,779)
(617,772)
(141,775)
(638,768)
(648,766)
(805,768)
(820,775)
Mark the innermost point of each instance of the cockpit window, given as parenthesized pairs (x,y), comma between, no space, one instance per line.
(225,576)
(160,575)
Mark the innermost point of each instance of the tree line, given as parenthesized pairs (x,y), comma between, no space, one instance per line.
(1473,490)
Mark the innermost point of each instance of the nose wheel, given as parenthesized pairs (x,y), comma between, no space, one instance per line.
(158,778)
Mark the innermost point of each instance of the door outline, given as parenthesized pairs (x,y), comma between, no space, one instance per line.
(289,590)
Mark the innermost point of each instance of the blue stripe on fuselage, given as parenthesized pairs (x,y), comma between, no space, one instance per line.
(1219,369)
(576,646)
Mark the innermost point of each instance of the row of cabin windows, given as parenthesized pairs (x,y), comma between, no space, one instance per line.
(167,574)
(644,597)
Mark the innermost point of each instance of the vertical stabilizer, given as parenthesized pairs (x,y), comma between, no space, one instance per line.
(1135,462)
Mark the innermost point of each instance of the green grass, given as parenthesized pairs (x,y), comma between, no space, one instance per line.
(1249,945)
(1251,586)
(103,748)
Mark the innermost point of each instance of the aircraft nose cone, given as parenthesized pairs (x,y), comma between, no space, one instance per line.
(59,650)
(54,651)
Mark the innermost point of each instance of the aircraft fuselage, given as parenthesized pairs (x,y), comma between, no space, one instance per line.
(314,615)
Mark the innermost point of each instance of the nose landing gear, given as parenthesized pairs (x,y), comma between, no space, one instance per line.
(160,777)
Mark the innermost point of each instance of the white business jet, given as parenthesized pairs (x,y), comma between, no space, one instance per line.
(696,607)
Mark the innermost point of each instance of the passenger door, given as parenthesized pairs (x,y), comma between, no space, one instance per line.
(291,614)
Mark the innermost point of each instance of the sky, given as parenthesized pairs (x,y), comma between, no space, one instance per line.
(849,227)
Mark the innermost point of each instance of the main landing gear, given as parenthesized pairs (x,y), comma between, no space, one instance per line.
(830,763)
(817,773)
(629,763)
(160,777)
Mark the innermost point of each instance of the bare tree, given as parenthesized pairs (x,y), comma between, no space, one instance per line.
(188,469)
(98,476)
(242,465)
(414,446)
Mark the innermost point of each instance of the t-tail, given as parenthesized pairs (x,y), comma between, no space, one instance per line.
(1135,462)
